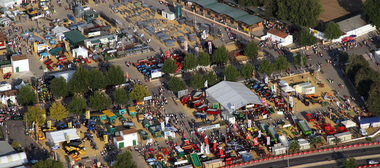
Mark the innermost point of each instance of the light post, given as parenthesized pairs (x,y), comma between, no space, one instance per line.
(287,154)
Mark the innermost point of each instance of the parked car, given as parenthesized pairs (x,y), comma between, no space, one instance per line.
(371,161)
(227,150)
(363,132)
(231,143)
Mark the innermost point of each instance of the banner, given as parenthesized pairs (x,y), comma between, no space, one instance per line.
(268,140)
(253,74)
(235,127)
(259,136)
(68,138)
(249,123)
(49,124)
(162,126)
(255,141)
(208,127)
(264,101)
(206,84)
(105,137)
(266,80)
(185,45)
(210,47)
(167,120)
(291,101)
(196,51)
(70,125)
(167,54)
(88,115)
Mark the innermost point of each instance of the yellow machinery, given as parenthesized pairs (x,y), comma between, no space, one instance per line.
(40,134)
(76,148)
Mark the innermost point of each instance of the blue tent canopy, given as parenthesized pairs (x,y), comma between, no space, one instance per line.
(44,54)
(52,41)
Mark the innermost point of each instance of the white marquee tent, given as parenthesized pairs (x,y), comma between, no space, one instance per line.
(287,89)
(55,137)
(80,52)
(349,123)
(232,95)
(59,32)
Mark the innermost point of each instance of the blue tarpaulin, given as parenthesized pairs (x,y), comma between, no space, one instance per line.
(44,54)
(52,41)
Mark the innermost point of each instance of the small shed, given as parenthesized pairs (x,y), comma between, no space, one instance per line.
(278,36)
(168,15)
(20,63)
(192,37)
(169,132)
(80,52)
(344,136)
(305,88)
(370,122)
(304,144)
(128,137)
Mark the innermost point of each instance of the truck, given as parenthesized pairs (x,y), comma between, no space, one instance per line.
(304,127)
(156,73)
(376,56)
(41,47)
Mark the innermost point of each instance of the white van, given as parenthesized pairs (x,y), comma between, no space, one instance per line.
(363,132)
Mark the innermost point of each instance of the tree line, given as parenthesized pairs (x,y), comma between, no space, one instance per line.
(365,79)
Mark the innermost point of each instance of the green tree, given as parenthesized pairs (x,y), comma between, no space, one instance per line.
(176,84)
(343,57)
(337,140)
(332,31)
(100,101)
(115,75)
(59,88)
(139,92)
(125,160)
(316,140)
(26,96)
(270,8)
(294,146)
(48,163)
(281,64)
(301,13)
(372,102)
(169,66)
(77,105)
(246,70)
(189,62)
(364,79)
(372,12)
(79,81)
(297,60)
(15,144)
(356,63)
(204,59)
(197,81)
(350,163)
(266,67)
(250,2)
(35,114)
(231,73)
(221,55)
(58,111)
(211,78)
(306,37)
(96,79)
(120,96)
(251,50)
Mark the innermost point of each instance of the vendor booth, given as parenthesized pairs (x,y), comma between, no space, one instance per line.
(54,138)
(344,136)
(305,88)
(370,122)
(80,52)
(169,132)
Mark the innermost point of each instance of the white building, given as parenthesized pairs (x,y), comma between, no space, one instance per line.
(282,38)
(59,32)
(352,26)
(128,137)
(168,15)
(9,95)
(80,52)
(305,88)
(20,63)
(10,3)
(100,40)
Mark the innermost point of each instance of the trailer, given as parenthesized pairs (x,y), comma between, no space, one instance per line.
(304,127)
(197,96)
(111,117)
(132,111)
(309,117)
(202,107)
(200,115)
(212,111)
(294,120)
(196,103)
(185,99)
(273,133)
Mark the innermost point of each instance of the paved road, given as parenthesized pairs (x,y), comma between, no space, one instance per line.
(313,158)
(338,164)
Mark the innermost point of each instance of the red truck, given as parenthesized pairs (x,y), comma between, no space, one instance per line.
(212,111)
(202,107)
(196,103)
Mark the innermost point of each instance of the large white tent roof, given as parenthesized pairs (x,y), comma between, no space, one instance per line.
(60,136)
(60,29)
(230,94)
(349,123)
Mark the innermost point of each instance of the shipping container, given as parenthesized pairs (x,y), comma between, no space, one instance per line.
(246,157)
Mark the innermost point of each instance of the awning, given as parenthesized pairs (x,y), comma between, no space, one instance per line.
(95,41)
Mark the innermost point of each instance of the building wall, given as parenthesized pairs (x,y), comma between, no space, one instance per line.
(22,64)
(358,32)
(284,41)
(128,139)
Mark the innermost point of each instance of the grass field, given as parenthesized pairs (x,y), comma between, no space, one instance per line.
(336,10)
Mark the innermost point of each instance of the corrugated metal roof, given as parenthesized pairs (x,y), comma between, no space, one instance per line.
(204,3)
(6,149)
(235,13)
(219,7)
(232,93)
(75,36)
(250,19)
